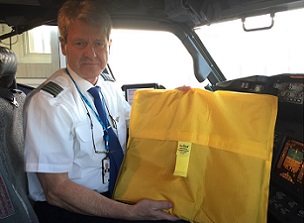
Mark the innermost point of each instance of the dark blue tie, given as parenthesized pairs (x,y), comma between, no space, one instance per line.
(115,150)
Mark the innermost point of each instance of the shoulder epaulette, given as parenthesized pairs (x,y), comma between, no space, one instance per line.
(52,88)
(107,77)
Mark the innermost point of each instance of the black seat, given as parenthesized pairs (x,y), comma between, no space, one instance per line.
(15,205)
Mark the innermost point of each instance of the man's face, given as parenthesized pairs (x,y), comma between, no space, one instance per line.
(86,50)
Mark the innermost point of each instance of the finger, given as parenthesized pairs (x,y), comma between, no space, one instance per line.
(161,205)
(184,88)
(166,216)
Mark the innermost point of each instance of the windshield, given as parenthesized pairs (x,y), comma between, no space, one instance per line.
(160,57)
(268,52)
(141,56)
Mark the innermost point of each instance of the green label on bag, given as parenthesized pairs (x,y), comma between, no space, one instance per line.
(182,159)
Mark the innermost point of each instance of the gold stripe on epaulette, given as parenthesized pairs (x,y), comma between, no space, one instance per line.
(52,88)
(107,77)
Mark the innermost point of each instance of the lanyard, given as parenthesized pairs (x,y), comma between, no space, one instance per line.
(105,126)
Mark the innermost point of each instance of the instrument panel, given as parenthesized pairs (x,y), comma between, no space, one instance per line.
(290,91)
(288,87)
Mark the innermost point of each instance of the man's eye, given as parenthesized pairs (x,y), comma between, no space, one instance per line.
(100,44)
(80,44)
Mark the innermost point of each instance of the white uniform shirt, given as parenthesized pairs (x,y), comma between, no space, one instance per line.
(58,136)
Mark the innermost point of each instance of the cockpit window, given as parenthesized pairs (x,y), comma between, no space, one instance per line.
(267,52)
(139,56)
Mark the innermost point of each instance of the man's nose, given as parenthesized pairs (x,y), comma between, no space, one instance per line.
(90,51)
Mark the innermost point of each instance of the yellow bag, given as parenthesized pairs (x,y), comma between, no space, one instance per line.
(207,152)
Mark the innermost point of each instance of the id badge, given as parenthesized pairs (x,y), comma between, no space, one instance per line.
(105,170)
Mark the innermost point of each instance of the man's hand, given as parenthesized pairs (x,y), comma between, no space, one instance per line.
(152,210)
(62,192)
(184,88)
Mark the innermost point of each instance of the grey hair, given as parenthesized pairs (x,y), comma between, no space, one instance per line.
(89,11)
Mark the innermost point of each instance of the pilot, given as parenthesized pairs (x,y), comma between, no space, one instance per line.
(65,144)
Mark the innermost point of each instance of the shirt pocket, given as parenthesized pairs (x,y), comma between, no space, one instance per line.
(83,133)
(86,160)
(89,139)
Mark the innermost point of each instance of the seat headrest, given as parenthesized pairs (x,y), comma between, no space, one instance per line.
(8,68)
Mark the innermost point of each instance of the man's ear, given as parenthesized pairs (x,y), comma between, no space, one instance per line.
(62,45)
(110,43)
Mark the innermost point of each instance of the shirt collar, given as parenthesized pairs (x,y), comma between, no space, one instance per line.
(82,84)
